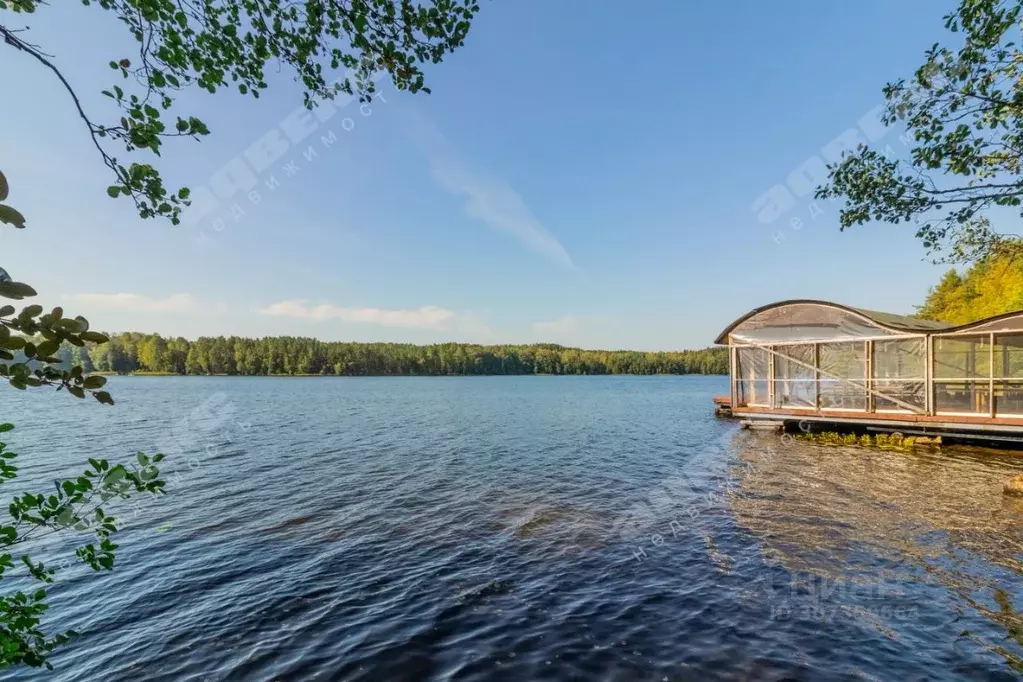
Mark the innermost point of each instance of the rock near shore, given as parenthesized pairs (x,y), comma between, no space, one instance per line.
(1014,486)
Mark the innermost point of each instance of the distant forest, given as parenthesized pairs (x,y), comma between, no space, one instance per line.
(285,355)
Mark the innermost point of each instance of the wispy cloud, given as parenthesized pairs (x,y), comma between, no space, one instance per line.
(135,303)
(562,325)
(489,199)
(426,317)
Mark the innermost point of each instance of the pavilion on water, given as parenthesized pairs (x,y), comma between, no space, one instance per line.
(825,362)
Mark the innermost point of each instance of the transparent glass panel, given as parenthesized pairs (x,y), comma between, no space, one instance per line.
(906,359)
(794,376)
(1009,397)
(962,396)
(1009,356)
(962,358)
(899,375)
(753,377)
(900,395)
(843,375)
(805,322)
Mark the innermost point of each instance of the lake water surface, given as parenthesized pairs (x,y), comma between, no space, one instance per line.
(520,528)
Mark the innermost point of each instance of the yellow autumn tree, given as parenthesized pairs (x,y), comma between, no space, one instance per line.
(991,286)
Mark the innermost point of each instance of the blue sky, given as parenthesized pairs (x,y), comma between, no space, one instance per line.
(583,173)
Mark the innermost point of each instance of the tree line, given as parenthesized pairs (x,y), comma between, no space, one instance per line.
(130,352)
(991,286)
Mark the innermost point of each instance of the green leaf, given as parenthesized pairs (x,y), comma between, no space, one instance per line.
(95,337)
(103,397)
(4,428)
(32,310)
(94,381)
(46,349)
(6,310)
(4,187)
(113,191)
(12,217)
(16,290)
(115,476)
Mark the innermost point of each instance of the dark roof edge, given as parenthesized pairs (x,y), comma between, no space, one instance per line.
(929,326)
(994,318)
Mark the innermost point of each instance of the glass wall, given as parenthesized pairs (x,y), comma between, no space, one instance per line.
(1008,374)
(843,368)
(754,377)
(900,376)
(809,355)
(833,375)
(794,376)
(962,373)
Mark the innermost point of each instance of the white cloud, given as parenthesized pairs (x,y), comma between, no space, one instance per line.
(563,325)
(135,303)
(488,199)
(426,317)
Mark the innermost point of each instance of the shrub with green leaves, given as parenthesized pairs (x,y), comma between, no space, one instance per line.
(76,504)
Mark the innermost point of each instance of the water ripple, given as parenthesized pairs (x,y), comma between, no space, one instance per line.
(522,528)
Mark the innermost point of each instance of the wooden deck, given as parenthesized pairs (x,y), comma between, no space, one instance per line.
(969,426)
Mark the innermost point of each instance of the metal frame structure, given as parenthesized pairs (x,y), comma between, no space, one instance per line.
(948,365)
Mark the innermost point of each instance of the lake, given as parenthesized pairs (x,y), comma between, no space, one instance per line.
(520,528)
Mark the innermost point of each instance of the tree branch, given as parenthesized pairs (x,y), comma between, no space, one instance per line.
(19,44)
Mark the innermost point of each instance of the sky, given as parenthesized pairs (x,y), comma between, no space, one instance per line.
(599,174)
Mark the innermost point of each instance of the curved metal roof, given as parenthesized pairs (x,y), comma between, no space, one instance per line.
(898,323)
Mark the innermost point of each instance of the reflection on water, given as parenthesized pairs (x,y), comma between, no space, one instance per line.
(522,528)
(893,528)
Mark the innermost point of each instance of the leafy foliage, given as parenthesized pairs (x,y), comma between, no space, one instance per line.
(287,355)
(963,109)
(217,44)
(37,336)
(77,503)
(992,286)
